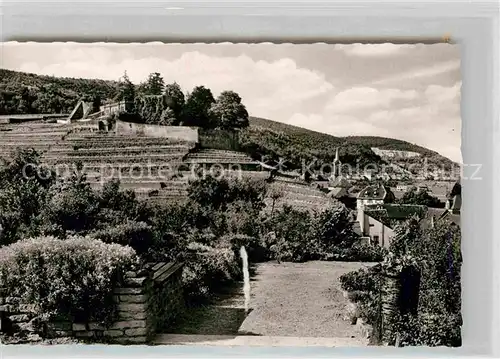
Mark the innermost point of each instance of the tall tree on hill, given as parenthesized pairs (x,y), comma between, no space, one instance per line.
(25,101)
(126,89)
(154,84)
(174,99)
(228,112)
(96,102)
(197,107)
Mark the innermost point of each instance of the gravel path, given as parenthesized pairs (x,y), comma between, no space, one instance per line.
(287,300)
(300,300)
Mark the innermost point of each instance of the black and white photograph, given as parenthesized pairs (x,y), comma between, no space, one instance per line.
(230,194)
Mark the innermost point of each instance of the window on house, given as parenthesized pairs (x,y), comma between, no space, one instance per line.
(376,240)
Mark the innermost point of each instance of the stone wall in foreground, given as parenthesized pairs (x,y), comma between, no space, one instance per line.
(147,301)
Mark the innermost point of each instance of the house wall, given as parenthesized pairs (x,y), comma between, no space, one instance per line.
(182,133)
(375,229)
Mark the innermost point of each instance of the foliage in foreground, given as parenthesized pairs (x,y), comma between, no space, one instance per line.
(206,231)
(435,252)
(71,278)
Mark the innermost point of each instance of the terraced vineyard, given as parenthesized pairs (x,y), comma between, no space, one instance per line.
(157,169)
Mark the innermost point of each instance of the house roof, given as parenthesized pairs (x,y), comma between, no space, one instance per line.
(440,214)
(454,218)
(373,192)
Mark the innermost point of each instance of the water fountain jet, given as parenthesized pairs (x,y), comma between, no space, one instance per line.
(246,277)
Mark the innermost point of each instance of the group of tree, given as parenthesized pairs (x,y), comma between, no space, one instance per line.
(166,104)
(420,196)
(154,101)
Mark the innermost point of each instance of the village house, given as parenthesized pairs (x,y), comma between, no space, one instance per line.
(374,194)
(402,187)
(377,217)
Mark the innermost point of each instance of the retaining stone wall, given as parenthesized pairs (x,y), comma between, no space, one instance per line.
(147,301)
(219,139)
(182,133)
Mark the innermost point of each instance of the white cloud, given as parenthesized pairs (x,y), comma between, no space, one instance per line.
(357,98)
(266,87)
(432,119)
(438,93)
(281,90)
(422,72)
(373,50)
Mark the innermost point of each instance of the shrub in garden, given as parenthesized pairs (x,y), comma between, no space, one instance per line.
(23,194)
(207,268)
(436,253)
(217,193)
(111,197)
(209,192)
(333,231)
(73,205)
(291,235)
(363,288)
(72,278)
(137,235)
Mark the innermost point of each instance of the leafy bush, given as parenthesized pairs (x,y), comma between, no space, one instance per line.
(207,268)
(289,237)
(137,235)
(73,205)
(420,197)
(24,189)
(435,252)
(363,288)
(70,278)
(255,246)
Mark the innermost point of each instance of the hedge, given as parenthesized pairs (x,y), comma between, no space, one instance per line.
(72,278)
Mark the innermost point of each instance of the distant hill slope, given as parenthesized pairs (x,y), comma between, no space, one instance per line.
(82,86)
(25,93)
(278,139)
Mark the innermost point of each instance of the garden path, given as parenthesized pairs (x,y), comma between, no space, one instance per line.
(291,304)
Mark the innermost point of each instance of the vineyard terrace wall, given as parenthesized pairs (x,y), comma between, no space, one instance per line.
(219,139)
(181,133)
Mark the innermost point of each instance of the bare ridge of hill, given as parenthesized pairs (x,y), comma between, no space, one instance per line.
(281,137)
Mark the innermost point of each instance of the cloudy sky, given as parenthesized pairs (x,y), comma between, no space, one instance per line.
(409,92)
